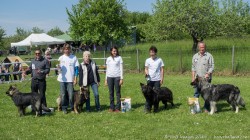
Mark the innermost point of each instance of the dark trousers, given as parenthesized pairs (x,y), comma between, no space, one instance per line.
(114,83)
(39,85)
(19,76)
(148,104)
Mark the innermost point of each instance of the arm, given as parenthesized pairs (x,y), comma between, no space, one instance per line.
(76,74)
(29,70)
(121,69)
(193,76)
(211,65)
(146,68)
(193,70)
(162,74)
(47,67)
(97,75)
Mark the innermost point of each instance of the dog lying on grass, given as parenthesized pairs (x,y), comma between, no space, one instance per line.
(214,93)
(154,96)
(22,100)
(80,97)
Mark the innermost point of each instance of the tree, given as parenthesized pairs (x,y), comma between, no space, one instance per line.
(197,18)
(137,20)
(37,30)
(98,21)
(56,31)
(2,34)
(234,18)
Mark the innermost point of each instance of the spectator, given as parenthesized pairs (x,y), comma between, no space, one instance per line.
(17,69)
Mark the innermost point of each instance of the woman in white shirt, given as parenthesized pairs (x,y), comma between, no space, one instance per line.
(114,78)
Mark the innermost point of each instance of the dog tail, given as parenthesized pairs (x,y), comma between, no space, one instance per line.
(44,108)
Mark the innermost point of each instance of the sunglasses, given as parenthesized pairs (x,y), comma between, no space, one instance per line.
(37,53)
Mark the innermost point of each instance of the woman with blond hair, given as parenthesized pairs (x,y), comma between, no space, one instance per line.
(89,76)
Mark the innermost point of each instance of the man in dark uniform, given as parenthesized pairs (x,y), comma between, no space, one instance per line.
(38,69)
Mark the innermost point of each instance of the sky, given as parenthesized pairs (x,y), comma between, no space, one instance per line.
(47,14)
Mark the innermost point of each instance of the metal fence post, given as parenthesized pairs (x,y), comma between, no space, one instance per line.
(233,60)
(104,56)
(137,60)
(180,53)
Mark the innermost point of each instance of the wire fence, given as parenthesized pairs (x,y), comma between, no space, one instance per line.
(228,61)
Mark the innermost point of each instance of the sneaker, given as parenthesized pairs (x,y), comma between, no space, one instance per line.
(117,110)
(206,111)
(65,112)
(111,110)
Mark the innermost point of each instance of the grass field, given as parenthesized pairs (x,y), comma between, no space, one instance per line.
(173,123)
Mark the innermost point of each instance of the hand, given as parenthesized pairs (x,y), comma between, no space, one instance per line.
(98,84)
(106,83)
(75,82)
(207,75)
(121,82)
(161,82)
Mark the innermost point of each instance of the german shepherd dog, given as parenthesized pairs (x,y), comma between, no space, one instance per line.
(22,100)
(80,97)
(214,93)
(154,96)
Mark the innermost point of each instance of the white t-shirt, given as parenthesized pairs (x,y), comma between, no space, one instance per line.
(114,67)
(67,64)
(154,68)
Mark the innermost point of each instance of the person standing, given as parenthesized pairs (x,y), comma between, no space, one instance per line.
(89,76)
(114,78)
(38,69)
(154,71)
(48,57)
(202,66)
(68,67)
(17,69)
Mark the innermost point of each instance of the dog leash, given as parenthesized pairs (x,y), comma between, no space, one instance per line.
(26,83)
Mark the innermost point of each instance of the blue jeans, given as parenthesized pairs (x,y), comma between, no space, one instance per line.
(197,94)
(94,87)
(114,83)
(67,88)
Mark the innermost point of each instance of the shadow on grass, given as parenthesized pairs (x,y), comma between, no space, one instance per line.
(225,107)
(169,107)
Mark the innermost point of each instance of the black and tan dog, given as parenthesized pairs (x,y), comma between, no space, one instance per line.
(80,97)
(154,96)
(22,100)
(214,93)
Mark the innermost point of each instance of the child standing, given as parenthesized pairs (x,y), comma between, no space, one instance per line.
(154,70)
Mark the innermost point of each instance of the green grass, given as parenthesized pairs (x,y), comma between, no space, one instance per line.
(170,123)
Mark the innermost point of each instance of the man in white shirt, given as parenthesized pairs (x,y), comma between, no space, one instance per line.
(154,70)
(68,67)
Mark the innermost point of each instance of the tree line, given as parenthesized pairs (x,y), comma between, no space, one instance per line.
(109,22)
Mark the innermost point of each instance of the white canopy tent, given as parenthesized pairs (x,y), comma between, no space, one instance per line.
(38,39)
